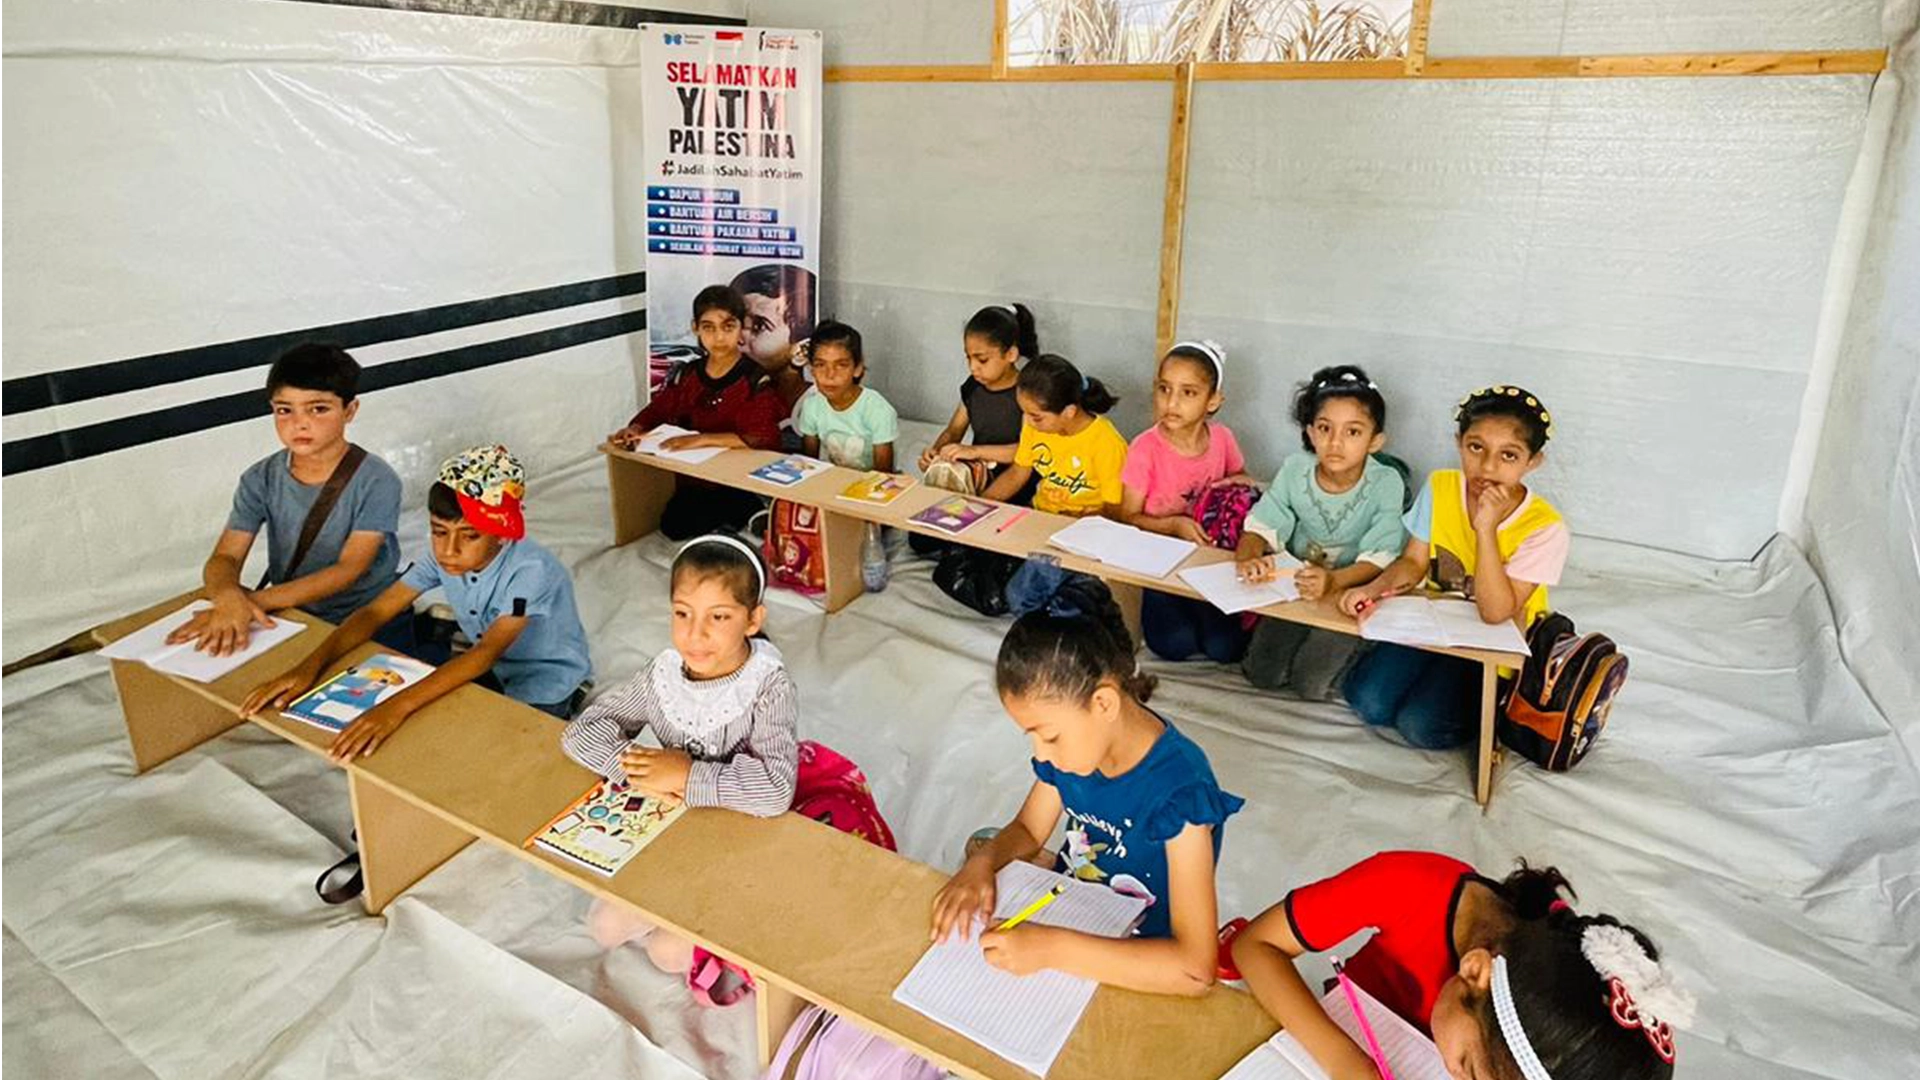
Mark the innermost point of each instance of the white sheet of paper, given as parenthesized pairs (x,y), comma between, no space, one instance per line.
(1123,546)
(1221,585)
(1460,621)
(651,445)
(1411,1054)
(148,645)
(1025,1019)
(1444,621)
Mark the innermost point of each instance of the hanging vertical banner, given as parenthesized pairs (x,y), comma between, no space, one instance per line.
(732,150)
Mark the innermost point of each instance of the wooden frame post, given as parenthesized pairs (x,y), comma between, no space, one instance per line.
(1417,30)
(1173,219)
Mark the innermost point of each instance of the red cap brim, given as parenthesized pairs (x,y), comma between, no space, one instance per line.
(503,521)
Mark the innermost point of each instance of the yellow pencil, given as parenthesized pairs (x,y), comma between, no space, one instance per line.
(1033,909)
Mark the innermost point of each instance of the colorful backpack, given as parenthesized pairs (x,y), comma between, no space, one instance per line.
(1222,512)
(821,1046)
(793,549)
(1557,707)
(828,789)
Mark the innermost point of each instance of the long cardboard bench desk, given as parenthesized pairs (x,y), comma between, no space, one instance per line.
(817,915)
(642,483)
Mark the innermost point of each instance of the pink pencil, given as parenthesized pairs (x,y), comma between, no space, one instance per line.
(1012,521)
(1353,999)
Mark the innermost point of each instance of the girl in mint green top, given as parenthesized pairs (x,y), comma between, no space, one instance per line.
(841,421)
(1337,509)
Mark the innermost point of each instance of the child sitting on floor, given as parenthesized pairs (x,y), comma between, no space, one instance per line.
(1065,441)
(1337,509)
(355,546)
(720,703)
(727,400)
(843,421)
(1143,811)
(995,340)
(1505,977)
(1478,532)
(1169,466)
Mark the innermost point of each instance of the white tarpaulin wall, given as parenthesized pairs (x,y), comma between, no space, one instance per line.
(1654,253)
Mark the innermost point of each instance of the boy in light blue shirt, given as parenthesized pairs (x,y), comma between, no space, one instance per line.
(841,421)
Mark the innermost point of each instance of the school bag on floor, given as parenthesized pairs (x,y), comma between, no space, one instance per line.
(829,789)
(793,548)
(821,1046)
(1558,705)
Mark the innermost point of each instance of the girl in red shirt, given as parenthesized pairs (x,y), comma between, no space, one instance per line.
(1511,983)
(728,400)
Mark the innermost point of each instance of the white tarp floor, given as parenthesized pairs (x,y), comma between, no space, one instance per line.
(1748,807)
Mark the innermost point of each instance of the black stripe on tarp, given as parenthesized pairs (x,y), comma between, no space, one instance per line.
(60,447)
(571,12)
(27,393)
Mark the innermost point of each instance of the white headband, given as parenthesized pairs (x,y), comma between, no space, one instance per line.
(1510,1029)
(759,574)
(1214,353)
(1009,309)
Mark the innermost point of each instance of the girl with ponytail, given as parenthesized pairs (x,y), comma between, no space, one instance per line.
(1510,982)
(1143,812)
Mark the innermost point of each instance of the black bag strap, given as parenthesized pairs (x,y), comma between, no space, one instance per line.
(322,506)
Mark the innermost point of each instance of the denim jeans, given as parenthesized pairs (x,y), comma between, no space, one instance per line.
(1179,627)
(1431,699)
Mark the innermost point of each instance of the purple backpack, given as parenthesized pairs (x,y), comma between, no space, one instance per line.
(821,1046)
(1222,512)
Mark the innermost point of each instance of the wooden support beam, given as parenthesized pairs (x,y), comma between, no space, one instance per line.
(1417,30)
(999,39)
(1173,219)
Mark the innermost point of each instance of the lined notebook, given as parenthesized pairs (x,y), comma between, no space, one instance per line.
(1023,1018)
(652,445)
(149,646)
(1123,546)
(1436,620)
(1220,584)
(1411,1054)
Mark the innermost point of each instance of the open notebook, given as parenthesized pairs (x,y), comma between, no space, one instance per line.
(1023,1018)
(652,444)
(1123,546)
(149,646)
(1221,585)
(1411,1054)
(1439,620)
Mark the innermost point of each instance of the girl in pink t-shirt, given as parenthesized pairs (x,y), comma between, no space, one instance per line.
(1168,467)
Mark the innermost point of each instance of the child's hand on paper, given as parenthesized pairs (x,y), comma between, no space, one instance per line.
(628,437)
(364,735)
(1356,600)
(1257,570)
(691,441)
(1312,581)
(278,692)
(966,898)
(224,628)
(1188,529)
(1022,950)
(659,773)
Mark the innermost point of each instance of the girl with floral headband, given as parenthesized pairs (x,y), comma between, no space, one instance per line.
(1479,532)
(1509,981)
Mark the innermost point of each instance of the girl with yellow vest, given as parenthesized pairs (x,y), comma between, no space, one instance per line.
(1479,532)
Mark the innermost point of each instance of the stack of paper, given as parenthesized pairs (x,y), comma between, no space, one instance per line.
(148,645)
(1449,623)
(1122,545)
(1025,1019)
(652,444)
(1411,1054)
(1220,584)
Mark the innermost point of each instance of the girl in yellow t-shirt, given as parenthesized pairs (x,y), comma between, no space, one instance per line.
(1479,532)
(1065,441)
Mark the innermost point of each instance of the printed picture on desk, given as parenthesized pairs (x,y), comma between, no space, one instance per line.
(878,488)
(607,827)
(342,699)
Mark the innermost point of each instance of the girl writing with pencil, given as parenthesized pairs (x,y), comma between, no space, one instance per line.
(1143,812)
(1509,981)
(1477,531)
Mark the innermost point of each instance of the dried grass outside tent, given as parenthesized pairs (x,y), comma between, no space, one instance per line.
(1072,32)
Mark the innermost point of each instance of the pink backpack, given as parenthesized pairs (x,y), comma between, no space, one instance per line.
(821,1046)
(829,789)
(1222,510)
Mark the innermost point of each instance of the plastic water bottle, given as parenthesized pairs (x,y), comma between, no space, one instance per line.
(874,568)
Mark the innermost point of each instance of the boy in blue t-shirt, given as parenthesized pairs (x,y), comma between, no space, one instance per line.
(352,557)
(512,598)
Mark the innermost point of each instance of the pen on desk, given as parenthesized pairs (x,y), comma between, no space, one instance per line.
(1362,607)
(1012,521)
(1360,1014)
(1033,909)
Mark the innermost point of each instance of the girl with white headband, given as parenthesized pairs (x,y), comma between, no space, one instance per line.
(1510,982)
(1170,466)
(719,702)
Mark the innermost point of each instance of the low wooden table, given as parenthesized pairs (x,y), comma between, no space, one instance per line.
(815,914)
(642,483)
